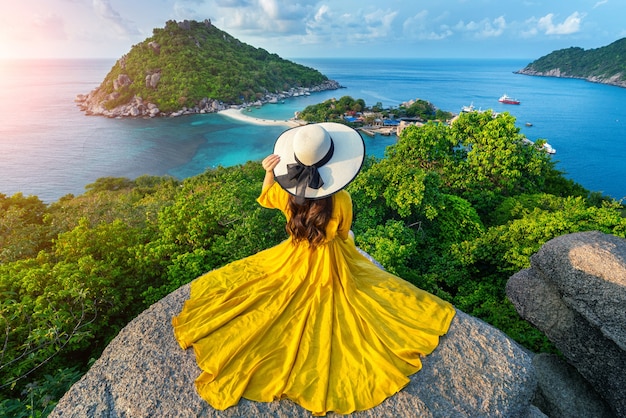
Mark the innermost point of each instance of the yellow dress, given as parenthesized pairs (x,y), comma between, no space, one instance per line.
(325,327)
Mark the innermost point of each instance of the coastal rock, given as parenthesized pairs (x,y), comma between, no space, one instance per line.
(613,80)
(93,104)
(475,371)
(153,110)
(575,292)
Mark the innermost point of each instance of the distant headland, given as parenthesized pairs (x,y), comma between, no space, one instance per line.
(603,65)
(193,67)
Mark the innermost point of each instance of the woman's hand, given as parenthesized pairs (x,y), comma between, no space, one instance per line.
(270,162)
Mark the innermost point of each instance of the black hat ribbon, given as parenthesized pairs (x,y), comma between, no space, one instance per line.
(302,176)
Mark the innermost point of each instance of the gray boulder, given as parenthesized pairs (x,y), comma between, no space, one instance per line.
(121,81)
(575,292)
(475,371)
(152,80)
(563,392)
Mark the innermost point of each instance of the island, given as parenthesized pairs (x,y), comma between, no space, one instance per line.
(605,65)
(193,67)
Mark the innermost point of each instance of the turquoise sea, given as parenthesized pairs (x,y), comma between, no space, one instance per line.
(49,148)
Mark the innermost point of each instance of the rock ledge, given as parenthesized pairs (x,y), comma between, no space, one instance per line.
(475,371)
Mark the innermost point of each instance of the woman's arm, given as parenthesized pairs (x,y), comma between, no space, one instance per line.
(269,163)
(343,200)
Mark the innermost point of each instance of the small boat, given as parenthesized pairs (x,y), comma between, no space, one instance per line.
(508,100)
(548,148)
(467,109)
(545,146)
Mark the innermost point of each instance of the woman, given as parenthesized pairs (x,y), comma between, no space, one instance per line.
(310,319)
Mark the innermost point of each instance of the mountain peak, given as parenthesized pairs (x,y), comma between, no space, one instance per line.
(189,63)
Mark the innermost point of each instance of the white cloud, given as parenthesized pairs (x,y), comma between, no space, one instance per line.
(421,27)
(415,24)
(530,28)
(227,3)
(122,27)
(493,29)
(570,25)
(600,3)
(326,25)
(484,29)
(321,13)
(260,18)
(320,27)
(377,25)
(270,8)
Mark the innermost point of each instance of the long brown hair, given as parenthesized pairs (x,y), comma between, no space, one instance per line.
(309,220)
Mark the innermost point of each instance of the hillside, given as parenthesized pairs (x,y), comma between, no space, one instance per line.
(454,209)
(605,65)
(194,65)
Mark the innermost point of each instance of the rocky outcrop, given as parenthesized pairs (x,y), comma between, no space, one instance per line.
(475,371)
(563,392)
(94,104)
(121,82)
(575,292)
(613,79)
(152,80)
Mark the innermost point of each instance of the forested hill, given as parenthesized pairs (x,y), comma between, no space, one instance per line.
(189,64)
(454,209)
(605,65)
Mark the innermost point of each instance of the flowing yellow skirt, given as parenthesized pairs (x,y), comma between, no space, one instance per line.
(325,328)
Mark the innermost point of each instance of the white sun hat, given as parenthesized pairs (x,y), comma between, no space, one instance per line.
(317,160)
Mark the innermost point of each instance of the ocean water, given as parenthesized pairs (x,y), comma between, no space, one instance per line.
(49,148)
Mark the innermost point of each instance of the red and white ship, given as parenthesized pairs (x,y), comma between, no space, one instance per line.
(508,100)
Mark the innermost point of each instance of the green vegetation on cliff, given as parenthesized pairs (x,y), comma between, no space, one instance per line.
(455,210)
(606,64)
(183,63)
(333,110)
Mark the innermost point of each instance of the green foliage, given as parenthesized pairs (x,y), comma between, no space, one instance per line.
(22,234)
(430,147)
(456,221)
(392,245)
(40,397)
(454,209)
(197,61)
(61,305)
(213,220)
(332,110)
(607,62)
(423,110)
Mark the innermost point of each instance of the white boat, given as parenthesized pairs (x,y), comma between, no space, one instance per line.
(548,148)
(467,109)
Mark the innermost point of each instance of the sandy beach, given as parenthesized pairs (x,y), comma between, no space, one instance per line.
(240,115)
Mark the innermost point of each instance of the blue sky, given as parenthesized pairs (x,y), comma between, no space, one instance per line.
(300,29)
